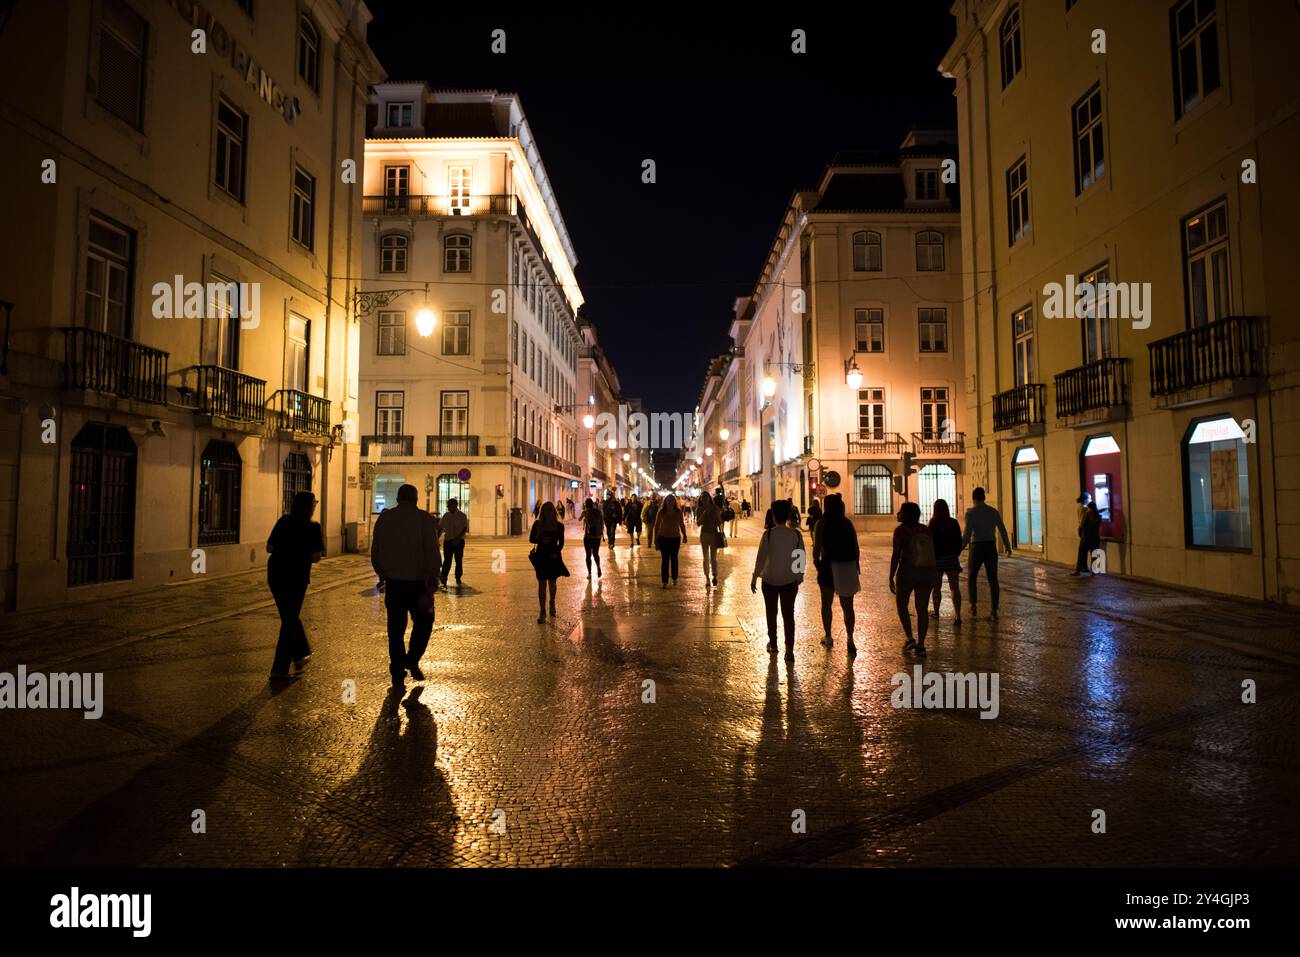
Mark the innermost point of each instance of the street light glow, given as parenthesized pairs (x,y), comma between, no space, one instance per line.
(425,321)
(769,386)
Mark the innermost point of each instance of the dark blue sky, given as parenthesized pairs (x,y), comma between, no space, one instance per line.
(734,121)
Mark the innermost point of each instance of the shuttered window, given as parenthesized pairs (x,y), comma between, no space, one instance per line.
(122,36)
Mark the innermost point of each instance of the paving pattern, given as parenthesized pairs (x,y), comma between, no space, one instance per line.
(534,744)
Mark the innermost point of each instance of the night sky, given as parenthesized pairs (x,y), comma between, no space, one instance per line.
(734,121)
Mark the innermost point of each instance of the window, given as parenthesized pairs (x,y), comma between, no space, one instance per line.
(932,322)
(455,334)
(296,477)
(220,341)
(1011,52)
(450,486)
(1216,486)
(309,52)
(871,491)
(397,187)
(388,412)
(1089,151)
(392,253)
(1195,37)
(1022,336)
(220,470)
(455,413)
(392,334)
(110,263)
(1205,264)
(299,352)
(101,505)
(934,412)
(871,414)
(866,251)
(458,183)
(869,330)
(456,253)
(119,88)
(927,184)
(303,226)
(514,342)
(935,482)
(1018,201)
(232,130)
(400,115)
(1095,316)
(929,251)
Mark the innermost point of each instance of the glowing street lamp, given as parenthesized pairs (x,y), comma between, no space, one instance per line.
(724,433)
(769,386)
(853,375)
(425,321)
(709,450)
(588,420)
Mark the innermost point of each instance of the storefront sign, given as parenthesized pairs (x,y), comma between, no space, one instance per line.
(224,45)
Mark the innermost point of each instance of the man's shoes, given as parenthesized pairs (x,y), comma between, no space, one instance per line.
(789,652)
(281,676)
(458,585)
(414,669)
(909,645)
(853,649)
(771,646)
(920,651)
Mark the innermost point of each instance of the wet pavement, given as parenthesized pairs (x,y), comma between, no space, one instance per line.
(534,744)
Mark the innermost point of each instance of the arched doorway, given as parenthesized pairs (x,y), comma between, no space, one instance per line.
(101,505)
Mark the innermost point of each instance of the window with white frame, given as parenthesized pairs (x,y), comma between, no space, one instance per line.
(934,411)
(1205,264)
(1012,55)
(1018,201)
(455,413)
(867,251)
(455,334)
(458,186)
(869,329)
(1089,149)
(929,251)
(400,115)
(392,253)
(1195,36)
(926,184)
(871,413)
(456,249)
(1022,333)
(110,261)
(389,409)
(392,333)
(932,324)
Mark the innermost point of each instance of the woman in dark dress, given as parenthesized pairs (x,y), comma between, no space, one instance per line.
(836,557)
(547,534)
(294,546)
(946,533)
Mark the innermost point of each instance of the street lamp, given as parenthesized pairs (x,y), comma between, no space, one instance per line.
(588,420)
(708,450)
(769,386)
(852,374)
(425,320)
(724,433)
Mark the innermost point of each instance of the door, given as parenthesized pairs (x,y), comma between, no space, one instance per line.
(935,482)
(1029,506)
(101,505)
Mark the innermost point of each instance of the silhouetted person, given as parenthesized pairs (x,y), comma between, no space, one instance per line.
(709,520)
(779,553)
(946,533)
(983,523)
(547,534)
(649,514)
(1081,562)
(295,544)
(454,526)
(613,513)
(1091,532)
(836,557)
(592,525)
(814,516)
(669,532)
(404,552)
(913,570)
(632,517)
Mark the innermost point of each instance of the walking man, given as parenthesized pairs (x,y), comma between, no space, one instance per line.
(613,513)
(454,526)
(983,524)
(404,553)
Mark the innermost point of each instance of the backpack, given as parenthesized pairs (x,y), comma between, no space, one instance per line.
(919,552)
(728,514)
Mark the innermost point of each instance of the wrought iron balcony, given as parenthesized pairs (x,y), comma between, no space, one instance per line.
(1095,387)
(531,453)
(1217,352)
(100,362)
(875,442)
(388,445)
(230,394)
(301,412)
(451,445)
(930,443)
(495,204)
(1019,407)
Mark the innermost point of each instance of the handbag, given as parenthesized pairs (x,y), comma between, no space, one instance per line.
(532,556)
(722,539)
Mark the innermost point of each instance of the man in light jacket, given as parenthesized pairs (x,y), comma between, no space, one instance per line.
(404,553)
(983,527)
(454,526)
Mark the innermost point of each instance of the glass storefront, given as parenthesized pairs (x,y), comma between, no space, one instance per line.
(1217,485)
(1102,480)
(1028,475)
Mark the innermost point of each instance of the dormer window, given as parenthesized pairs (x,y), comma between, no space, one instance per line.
(927,184)
(401,115)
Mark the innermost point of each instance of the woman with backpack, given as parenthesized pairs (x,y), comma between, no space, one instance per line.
(547,534)
(835,556)
(593,523)
(912,570)
(710,522)
(946,533)
(778,557)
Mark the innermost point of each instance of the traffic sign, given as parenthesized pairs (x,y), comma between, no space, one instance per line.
(814,465)
(463,475)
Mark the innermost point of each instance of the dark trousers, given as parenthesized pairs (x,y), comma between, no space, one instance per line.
(591,543)
(986,554)
(611,526)
(668,548)
(452,550)
(634,529)
(293,637)
(786,595)
(1082,562)
(403,598)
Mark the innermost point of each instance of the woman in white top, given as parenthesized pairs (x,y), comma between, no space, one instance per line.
(780,563)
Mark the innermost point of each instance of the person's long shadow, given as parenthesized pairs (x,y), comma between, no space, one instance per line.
(397,808)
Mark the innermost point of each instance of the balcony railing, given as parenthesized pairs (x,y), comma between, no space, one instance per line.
(388,445)
(531,453)
(301,412)
(230,394)
(451,445)
(1227,349)
(1101,384)
(103,363)
(929,442)
(499,204)
(875,442)
(1021,406)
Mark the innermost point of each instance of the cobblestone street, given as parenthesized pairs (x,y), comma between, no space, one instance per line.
(1115,695)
